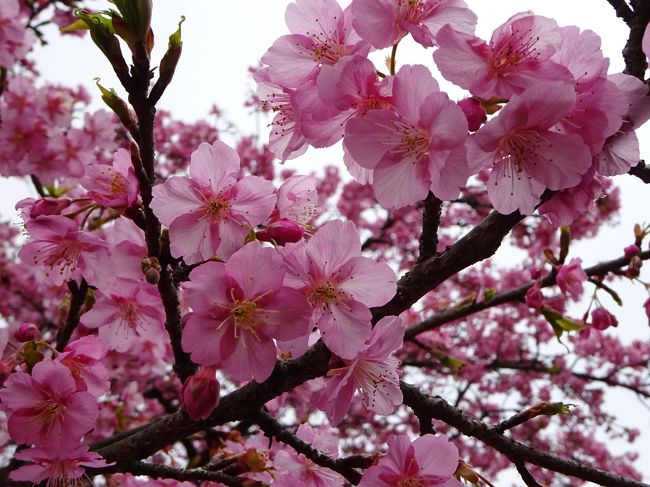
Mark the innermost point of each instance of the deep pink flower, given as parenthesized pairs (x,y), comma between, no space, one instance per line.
(83,358)
(238,309)
(321,34)
(113,186)
(340,284)
(293,468)
(15,39)
(534,296)
(570,278)
(201,393)
(416,148)
(565,205)
(526,154)
(385,22)
(126,309)
(474,112)
(45,407)
(26,332)
(601,319)
(58,467)
(373,372)
(427,462)
(281,232)
(517,57)
(67,252)
(210,213)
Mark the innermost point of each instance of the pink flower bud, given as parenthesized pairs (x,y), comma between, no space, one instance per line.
(27,332)
(534,296)
(282,231)
(631,250)
(201,393)
(474,112)
(646,305)
(601,319)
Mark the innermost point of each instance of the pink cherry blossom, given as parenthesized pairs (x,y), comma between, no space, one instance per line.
(238,309)
(210,213)
(570,278)
(517,56)
(340,284)
(525,153)
(601,319)
(645,42)
(321,34)
(286,140)
(373,372)
(427,462)
(45,407)
(294,468)
(415,149)
(201,393)
(60,467)
(565,205)
(646,307)
(126,309)
(113,186)
(348,89)
(15,39)
(385,22)
(83,358)
(67,252)
(474,112)
(534,296)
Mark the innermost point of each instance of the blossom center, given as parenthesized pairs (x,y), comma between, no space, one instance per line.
(519,146)
(414,11)
(410,482)
(215,207)
(513,51)
(325,294)
(49,412)
(411,142)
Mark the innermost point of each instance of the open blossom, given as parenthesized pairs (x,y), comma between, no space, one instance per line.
(238,309)
(126,309)
(286,139)
(210,213)
(321,34)
(417,147)
(113,186)
(293,468)
(570,278)
(83,358)
(373,372)
(517,56)
(427,462)
(67,252)
(61,467)
(45,407)
(348,89)
(524,151)
(340,284)
(385,22)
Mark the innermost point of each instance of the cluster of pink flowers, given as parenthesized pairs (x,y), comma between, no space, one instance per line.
(15,39)
(405,137)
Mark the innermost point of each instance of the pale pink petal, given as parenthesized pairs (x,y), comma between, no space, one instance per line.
(402,183)
(345,327)
(334,244)
(369,282)
(177,196)
(215,166)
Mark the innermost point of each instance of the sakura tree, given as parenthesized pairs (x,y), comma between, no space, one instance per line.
(178,310)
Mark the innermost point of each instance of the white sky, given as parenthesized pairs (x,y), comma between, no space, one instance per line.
(223,38)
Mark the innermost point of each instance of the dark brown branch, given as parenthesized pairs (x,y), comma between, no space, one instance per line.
(623,10)
(517,452)
(526,476)
(273,429)
(430,223)
(78,297)
(641,171)
(241,403)
(198,474)
(511,296)
(635,59)
(38,186)
(479,243)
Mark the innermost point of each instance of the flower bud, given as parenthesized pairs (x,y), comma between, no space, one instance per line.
(631,250)
(27,332)
(201,393)
(282,231)
(601,319)
(534,296)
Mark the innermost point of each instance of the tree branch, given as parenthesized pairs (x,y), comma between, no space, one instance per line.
(430,223)
(78,297)
(641,171)
(273,429)
(517,452)
(623,10)
(196,474)
(511,296)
